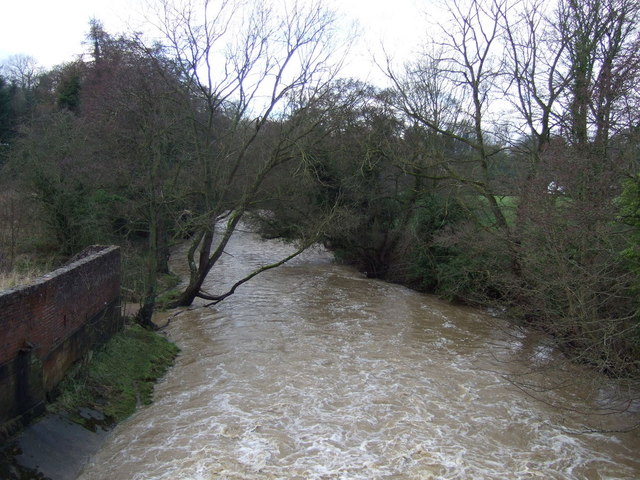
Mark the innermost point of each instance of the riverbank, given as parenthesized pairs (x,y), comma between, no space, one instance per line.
(103,390)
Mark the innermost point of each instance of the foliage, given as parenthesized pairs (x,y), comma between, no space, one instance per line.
(7,114)
(629,214)
(68,92)
(431,261)
(50,161)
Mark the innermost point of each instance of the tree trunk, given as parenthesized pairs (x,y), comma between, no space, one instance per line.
(143,317)
(190,293)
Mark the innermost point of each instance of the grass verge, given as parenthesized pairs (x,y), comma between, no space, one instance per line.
(118,377)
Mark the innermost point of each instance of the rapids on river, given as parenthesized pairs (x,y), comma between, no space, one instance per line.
(311,371)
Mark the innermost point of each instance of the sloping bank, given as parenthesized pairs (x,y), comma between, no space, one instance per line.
(104,389)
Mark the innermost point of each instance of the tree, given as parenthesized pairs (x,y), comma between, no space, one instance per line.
(573,281)
(535,69)
(602,40)
(450,92)
(569,74)
(69,85)
(51,159)
(116,124)
(7,114)
(248,70)
(135,111)
(349,168)
(19,83)
(23,71)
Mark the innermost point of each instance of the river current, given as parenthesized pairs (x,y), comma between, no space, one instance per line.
(312,371)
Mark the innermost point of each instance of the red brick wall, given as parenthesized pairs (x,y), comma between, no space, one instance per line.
(55,319)
(47,312)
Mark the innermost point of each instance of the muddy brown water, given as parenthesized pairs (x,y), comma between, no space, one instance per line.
(312,371)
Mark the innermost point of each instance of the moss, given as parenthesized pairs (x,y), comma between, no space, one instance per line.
(119,376)
(169,286)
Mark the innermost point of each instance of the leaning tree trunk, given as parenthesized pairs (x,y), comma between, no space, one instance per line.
(206,259)
(144,315)
(190,293)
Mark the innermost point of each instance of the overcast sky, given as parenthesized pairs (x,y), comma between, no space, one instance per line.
(52,31)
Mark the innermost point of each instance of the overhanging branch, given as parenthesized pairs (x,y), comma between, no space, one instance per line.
(215,299)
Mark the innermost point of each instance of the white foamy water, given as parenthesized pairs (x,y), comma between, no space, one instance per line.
(313,372)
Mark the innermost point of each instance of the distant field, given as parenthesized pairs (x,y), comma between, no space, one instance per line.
(507,204)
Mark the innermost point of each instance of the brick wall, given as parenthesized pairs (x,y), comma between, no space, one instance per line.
(47,326)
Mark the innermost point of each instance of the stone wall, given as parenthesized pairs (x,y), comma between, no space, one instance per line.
(47,326)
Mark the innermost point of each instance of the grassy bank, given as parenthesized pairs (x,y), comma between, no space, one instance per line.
(102,390)
(118,377)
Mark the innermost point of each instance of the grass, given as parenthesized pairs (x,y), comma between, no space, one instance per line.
(118,377)
(13,279)
(507,204)
(168,285)
(23,270)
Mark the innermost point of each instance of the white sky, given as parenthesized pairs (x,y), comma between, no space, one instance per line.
(52,31)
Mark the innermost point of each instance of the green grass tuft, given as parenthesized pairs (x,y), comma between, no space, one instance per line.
(120,376)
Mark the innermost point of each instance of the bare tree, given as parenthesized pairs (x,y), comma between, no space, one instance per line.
(451,89)
(247,69)
(536,79)
(569,73)
(456,93)
(602,40)
(22,70)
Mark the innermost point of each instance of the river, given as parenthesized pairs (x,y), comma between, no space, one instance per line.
(312,371)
